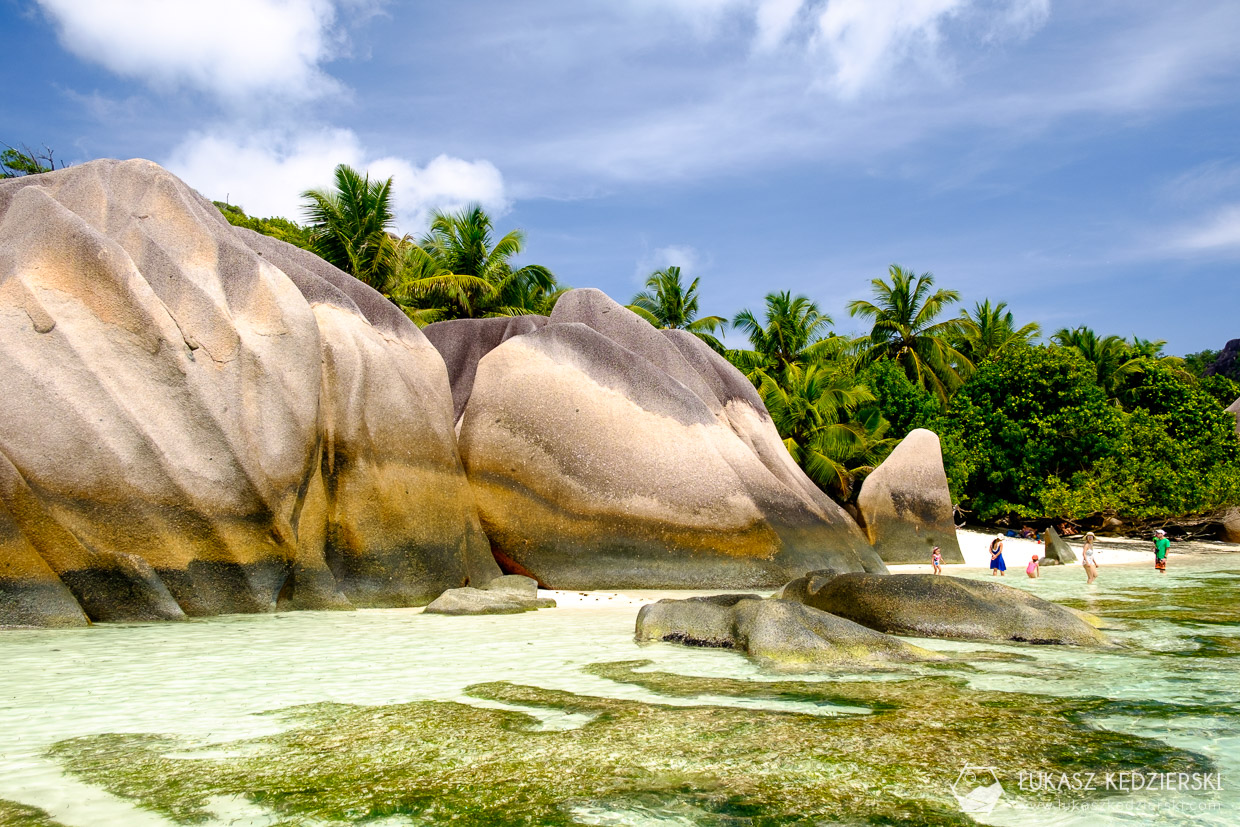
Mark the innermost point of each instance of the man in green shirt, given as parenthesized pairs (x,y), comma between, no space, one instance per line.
(1161,544)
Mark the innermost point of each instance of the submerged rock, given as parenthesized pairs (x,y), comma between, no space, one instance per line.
(905,505)
(778,633)
(511,594)
(201,420)
(1056,548)
(939,606)
(606,454)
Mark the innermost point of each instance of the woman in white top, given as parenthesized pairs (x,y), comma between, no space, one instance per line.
(1089,558)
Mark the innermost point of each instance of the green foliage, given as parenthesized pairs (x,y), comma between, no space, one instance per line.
(667,304)
(904,329)
(794,333)
(1223,389)
(1029,419)
(15,163)
(350,227)
(468,273)
(1033,434)
(991,329)
(1196,363)
(280,228)
(903,404)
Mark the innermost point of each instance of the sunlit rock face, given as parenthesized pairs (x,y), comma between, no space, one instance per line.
(905,504)
(606,454)
(200,420)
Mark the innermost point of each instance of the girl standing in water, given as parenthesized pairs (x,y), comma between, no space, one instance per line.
(1089,558)
(997,566)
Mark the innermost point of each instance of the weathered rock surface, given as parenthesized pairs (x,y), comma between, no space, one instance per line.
(1056,549)
(604,453)
(510,594)
(463,342)
(1228,362)
(939,606)
(1234,410)
(1230,526)
(905,505)
(778,633)
(201,420)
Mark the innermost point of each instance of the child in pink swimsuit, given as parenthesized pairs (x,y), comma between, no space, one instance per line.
(936,558)
(1032,569)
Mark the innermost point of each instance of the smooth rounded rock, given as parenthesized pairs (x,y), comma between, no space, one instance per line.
(940,606)
(602,457)
(905,504)
(202,420)
(780,634)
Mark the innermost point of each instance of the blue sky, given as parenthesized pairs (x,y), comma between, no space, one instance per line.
(1078,160)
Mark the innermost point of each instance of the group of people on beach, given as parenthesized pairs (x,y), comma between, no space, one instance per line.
(1089,557)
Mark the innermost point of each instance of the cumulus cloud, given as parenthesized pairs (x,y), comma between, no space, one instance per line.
(233,49)
(266,172)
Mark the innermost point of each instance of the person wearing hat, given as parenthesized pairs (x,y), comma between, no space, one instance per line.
(1161,546)
(997,566)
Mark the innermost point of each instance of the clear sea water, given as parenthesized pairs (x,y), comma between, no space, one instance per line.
(210,679)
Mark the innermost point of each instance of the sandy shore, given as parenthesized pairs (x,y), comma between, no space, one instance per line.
(1112,551)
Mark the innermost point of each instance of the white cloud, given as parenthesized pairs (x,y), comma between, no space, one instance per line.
(864,41)
(266,172)
(1217,233)
(674,255)
(233,49)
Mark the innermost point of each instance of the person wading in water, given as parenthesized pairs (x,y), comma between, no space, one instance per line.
(997,566)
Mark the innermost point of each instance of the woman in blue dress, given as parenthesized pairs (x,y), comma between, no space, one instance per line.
(997,566)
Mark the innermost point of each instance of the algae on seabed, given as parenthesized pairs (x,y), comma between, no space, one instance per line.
(435,761)
(13,814)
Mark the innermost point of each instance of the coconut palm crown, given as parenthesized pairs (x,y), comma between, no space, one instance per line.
(903,313)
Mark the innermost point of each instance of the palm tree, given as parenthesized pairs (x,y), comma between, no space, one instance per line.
(988,331)
(793,334)
(904,313)
(667,304)
(350,226)
(463,244)
(812,407)
(1115,358)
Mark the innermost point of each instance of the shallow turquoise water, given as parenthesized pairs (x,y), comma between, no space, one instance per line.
(209,679)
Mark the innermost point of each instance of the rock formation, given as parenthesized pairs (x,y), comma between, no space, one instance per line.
(201,420)
(1230,525)
(605,453)
(1234,410)
(939,606)
(510,594)
(905,506)
(776,633)
(1057,550)
(1227,363)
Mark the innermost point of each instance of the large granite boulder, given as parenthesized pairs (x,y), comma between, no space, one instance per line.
(202,420)
(1056,548)
(1227,363)
(777,633)
(1234,410)
(463,342)
(606,454)
(1230,525)
(905,505)
(939,606)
